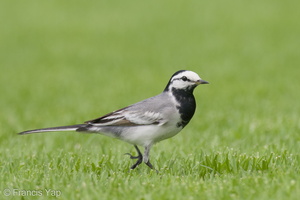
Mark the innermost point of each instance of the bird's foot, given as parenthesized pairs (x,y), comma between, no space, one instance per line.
(138,162)
(139,158)
(151,166)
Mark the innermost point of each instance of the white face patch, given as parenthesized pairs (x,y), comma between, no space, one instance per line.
(184,79)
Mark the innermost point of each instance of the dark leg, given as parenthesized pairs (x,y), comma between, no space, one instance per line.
(139,157)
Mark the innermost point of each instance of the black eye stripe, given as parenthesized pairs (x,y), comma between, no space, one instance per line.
(184,78)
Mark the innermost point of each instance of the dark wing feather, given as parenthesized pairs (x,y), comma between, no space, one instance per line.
(124,117)
(104,119)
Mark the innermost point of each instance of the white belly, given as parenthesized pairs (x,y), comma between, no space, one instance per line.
(149,134)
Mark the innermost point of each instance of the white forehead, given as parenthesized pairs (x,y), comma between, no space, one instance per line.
(189,74)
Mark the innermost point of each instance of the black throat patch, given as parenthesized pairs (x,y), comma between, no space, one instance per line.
(187,105)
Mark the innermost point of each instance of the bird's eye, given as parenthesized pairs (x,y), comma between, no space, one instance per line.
(184,78)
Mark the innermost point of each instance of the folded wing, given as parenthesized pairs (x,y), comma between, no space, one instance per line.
(124,117)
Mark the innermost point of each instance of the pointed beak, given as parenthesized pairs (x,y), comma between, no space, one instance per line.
(201,82)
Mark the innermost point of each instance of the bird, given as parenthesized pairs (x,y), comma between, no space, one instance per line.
(147,122)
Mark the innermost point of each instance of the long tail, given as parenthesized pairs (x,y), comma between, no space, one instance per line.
(53,129)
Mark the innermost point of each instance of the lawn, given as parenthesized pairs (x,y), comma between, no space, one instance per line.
(63,63)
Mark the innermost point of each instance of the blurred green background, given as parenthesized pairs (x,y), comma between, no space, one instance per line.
(65,62)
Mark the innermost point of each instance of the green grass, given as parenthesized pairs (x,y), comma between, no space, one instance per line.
(67,62)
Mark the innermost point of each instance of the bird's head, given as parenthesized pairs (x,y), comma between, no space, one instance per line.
(184,80)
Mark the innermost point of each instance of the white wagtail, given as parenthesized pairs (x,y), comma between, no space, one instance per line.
(149,121)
